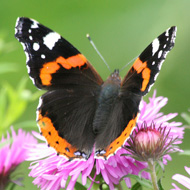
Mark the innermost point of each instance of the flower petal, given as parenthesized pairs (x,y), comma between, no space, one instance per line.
(185,181)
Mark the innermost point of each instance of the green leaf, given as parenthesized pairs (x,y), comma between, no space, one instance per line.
(159,165)
(137,186)
(16,105)
(3,100)
(36,95)
(6,47)
(103,186)
(26,125)
(8,67)
(13,102)
(79,186)
(144,182)
(160,185)
(12,186)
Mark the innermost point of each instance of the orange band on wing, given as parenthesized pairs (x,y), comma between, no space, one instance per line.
(146,78)
(117,143)
(54,140)
(52,67)
(47,70)
(139,67)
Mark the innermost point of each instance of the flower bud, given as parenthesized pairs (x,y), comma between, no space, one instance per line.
(150,143)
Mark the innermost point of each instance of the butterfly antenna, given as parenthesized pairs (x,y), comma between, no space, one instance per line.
(129,63)
(94,46)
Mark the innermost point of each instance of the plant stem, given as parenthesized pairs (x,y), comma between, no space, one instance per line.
(151,165)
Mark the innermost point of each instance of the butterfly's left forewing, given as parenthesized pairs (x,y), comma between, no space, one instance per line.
(52,61)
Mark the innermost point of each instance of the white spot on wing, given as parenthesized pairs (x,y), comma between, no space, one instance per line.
(159,54)
(16,30)
(140,106)
(26,53)
(29,31)
(27,57)
(77,153)
(165,54)
(153,63)
(174,35)
(150,87)
(167,32)
(28,68)
(37,114)
(32,80)
(36,46)
(160,65)
(155,46)
(164,46)
(39,105)
(17,20)
(156,75)
(40,102)
(34,24)
(23,45)
(30,37)
(50,39)
(43,56)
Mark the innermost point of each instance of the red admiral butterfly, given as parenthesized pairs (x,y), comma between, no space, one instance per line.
(80,111)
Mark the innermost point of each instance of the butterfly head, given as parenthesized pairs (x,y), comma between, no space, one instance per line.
(114,78)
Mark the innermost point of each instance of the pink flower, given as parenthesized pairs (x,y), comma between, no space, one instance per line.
(50,170)
(150,143)
(147,138)
(12,153)
(185,181)
(151,113)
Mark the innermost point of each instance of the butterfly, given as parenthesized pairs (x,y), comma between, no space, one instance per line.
(79,112)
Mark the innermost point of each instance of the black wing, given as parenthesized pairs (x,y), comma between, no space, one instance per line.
(136,84)
(66,110)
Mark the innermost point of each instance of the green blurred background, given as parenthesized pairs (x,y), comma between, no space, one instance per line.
(121,30)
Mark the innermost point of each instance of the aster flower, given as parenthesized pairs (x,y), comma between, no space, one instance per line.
(12,153)
(151,113)
(185,181)
(50,170)
(151,143)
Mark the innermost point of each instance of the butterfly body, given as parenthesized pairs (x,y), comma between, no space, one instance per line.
(79,111)
(106,101)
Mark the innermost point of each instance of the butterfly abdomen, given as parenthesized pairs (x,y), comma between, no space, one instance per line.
(106,101)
